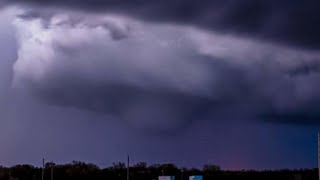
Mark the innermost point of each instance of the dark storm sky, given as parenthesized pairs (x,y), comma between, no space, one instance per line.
(225,82)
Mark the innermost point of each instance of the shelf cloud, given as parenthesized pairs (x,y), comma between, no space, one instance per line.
(293,23)
(162,75)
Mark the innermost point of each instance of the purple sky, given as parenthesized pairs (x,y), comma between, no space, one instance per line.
(97,81)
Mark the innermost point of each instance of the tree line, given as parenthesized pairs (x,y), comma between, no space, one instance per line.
(141,171)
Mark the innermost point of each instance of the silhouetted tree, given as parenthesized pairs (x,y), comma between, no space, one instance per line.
(141,171)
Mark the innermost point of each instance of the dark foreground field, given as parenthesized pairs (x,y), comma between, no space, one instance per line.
(141,171)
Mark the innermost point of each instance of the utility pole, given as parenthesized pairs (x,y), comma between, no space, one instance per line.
(42,175)
(319,155)
(128,164)
(52,170)
(181,174)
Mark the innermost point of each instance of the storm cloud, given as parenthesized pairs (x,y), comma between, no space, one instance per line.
(190,83)
(162,76)
(293,23)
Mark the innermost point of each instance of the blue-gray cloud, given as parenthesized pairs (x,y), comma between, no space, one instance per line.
(294,23)
(161,75)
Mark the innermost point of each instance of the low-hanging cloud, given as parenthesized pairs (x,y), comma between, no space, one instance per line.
(160,76)
(290,22)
